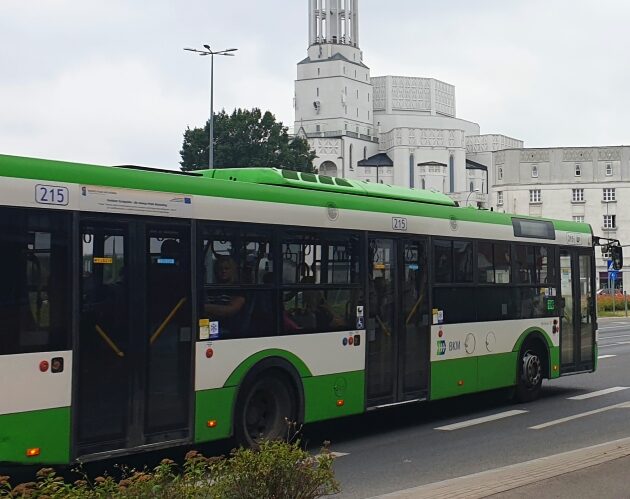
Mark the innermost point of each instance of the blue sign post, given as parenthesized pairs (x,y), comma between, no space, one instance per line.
(612,277)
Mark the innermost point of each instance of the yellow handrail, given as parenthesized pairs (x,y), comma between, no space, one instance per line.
(415,307)
(168,319)
(383,326)
(109,341)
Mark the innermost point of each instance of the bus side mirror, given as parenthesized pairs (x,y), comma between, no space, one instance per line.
(616,254)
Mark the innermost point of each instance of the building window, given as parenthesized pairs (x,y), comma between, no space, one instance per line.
(609,169)
(368,115)
(578,218)
(357,93)
(317,91)
(534,171)
(578,170)
(577,195)
(610,194)
(368,97)
(500,173)
(499,198)
(350,159)
(472,187)
(534,196)
(610,221)
(318,128)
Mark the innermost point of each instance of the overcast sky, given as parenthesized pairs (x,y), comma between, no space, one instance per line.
(107,82)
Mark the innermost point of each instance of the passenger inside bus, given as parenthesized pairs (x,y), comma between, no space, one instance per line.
(226,305)
(311,311)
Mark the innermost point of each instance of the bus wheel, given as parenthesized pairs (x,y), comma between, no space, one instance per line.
(265,407)
(530,374)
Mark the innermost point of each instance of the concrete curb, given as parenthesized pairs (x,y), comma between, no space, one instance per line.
(487,483)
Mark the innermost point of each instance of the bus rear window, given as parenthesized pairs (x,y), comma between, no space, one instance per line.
(35,285)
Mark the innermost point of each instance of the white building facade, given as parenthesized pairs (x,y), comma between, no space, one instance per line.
(584,184)
(348,117)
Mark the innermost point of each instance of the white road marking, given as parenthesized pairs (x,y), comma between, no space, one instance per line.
(606,356)
(606,337)
(623,405)
(606,391)
(333,454)
(485,419)
(613,344)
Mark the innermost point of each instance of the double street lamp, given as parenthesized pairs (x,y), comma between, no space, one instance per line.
(208,51)
(475,191)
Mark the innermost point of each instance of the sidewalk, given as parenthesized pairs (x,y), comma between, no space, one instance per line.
(598,471)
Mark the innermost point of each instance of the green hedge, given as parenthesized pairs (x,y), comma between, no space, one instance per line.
(275,470)
(605,303)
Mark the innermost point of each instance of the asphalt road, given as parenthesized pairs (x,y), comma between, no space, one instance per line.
(413,445)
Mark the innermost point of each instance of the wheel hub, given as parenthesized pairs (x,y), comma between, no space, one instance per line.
(532,369)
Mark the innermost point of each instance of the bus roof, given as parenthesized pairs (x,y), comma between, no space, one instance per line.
(302,180)
(268,185)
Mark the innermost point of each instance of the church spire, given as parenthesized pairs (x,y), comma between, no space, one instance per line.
(333,21)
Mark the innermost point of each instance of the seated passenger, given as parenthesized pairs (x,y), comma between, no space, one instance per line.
(224,306)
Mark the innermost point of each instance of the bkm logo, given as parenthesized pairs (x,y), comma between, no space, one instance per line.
(441,347)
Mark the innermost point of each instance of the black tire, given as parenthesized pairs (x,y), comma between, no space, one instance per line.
(265,406)
(529,374)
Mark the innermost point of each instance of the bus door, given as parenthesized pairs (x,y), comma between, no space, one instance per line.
(134,345)
(398,321)
(577,324)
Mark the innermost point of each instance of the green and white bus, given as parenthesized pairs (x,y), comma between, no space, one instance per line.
(142,309)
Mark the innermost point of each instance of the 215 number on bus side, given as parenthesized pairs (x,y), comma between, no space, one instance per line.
(399,224)
(51,194)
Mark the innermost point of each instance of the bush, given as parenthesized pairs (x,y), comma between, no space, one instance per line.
(605,303)
(276,470)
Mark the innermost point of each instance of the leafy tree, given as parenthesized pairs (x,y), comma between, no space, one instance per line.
(246,139)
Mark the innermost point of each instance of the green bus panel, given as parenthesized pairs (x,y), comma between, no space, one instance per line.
(214,405)
(47,430)
(334,396)
(554,359)
(322,399)
(450,378)
(497,371)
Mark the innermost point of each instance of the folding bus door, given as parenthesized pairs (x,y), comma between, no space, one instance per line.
(577,325)
(134,345)
(398,324)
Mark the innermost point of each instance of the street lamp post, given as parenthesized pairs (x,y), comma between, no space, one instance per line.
(208,51)
(470,194)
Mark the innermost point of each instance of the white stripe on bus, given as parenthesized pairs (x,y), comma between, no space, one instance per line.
(20,192)
(26,388)
(322,353)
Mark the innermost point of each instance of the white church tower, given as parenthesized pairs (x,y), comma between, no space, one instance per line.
(333,92)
